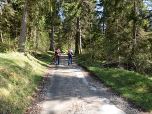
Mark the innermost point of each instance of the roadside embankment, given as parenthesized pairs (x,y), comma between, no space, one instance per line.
(20,74)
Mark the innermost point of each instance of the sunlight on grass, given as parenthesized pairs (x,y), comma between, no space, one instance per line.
(129,83)
(4,92)
(142,90)
(19,77)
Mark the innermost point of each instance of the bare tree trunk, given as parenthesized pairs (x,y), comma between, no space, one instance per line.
(77,37)
(1,36)
(118,40)
(1,21)
(34,38)
(116,18)
(91,49)
(69,42)
(52,40)
(90,40)
(134,28)
(151,51)
(23,28)
(103,26)
(134,36)
(103,22)
(80,40)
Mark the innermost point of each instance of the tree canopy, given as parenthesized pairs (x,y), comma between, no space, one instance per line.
(119,29)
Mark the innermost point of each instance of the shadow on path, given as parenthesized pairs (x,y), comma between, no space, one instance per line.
(70,92)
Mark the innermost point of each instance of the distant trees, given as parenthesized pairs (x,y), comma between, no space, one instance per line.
(126,31)
(77,11)
(27,28)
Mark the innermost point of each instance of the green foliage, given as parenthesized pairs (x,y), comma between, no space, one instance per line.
(105,35)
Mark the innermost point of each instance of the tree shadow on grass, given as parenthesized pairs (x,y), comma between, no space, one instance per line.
(21,79)
(43,58)
(10,67)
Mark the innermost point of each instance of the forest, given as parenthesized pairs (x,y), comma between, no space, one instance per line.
(98,31)
(103,30)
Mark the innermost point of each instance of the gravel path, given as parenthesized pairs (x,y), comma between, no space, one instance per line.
(72,90)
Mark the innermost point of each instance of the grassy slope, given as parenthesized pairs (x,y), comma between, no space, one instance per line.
(130,84)
(19,76)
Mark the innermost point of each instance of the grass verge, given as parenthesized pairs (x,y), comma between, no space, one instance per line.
(129,84)
(19,77)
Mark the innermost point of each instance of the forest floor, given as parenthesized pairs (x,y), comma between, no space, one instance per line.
(74,90)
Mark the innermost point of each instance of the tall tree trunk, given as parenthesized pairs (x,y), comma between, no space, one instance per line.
(23,28)
(118,39)
(90,39)
(103,26)
(151,50)
(77,37)
(134,31)
(116,18)
(134,35)
(1,21)
(52,40)
(90,45)
(134,28)
(103,31)
(69,46)
(35,39)
(80,39)
(52,31)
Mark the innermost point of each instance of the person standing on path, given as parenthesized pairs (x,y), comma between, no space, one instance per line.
(70,53)
(57,55)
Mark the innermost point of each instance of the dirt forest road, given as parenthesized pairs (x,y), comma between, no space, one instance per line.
(74,91)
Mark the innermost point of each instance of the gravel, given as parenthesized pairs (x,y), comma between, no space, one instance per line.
(79,92)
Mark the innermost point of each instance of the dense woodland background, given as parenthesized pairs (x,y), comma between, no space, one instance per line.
(119,30)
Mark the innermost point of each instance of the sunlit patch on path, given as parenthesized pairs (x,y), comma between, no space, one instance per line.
(71,93)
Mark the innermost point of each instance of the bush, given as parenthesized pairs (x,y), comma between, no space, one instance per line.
(142,64)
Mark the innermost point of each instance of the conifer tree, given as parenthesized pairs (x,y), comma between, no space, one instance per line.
(23,27)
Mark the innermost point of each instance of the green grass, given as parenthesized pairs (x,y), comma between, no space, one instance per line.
(19,77)
(130,84)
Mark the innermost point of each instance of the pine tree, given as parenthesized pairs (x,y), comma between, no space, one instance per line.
(23,28)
